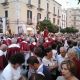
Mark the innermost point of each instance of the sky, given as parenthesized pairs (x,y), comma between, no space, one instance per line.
(69,3)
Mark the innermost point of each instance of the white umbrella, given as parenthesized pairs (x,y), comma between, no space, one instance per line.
(14,45)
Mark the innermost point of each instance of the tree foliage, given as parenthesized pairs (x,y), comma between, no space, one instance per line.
(69,30)
(46,23)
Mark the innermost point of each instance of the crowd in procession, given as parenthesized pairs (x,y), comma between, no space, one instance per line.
(45,56)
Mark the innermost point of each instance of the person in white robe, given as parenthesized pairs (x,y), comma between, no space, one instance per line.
(13,71)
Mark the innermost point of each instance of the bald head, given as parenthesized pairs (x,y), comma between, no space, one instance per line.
(3,47)
(62,51)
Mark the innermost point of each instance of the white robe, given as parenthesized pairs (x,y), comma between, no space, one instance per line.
(9,73)
(47,62)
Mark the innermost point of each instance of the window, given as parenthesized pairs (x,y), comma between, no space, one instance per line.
(58,12)
(1,25)
(47,6)
(47,11)
(20,29)
(62,23)
(62,16)
(58,21)
(29,16)
(53,20)
(39,1)
(29,1)
(6,0)
(38,16)
(70,11)
(74,17)
(54,10)
(6,13)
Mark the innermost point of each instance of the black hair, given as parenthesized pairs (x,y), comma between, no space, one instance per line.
(47,50)
(38,51)
(32,59)
(74,43)
(36,76)
(70,43)
(54,46)
(17,58)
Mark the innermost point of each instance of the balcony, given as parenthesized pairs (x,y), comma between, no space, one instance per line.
(54,14)
(59,16)
(49,12)
(29,21)
(5,3)
(76,20)
(39,8)
(78,15)
(29,5)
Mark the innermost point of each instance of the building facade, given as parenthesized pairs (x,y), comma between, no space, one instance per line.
(73,18)
(57,11)
(63,19)
(23,15)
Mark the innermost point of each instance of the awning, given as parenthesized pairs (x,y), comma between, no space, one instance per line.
(30,29)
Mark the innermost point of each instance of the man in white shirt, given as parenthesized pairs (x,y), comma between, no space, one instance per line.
(39,68)
(12,71)
(61,56)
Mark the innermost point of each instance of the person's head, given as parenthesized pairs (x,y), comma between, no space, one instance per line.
(3,47)
(68,68)
(33,62)
(72,54)
(62,51)
(74,43)
(13,40)
(54,46)
(37,51)
(17,59)
(48,52)
(37,76)
(1,37)
(70,43)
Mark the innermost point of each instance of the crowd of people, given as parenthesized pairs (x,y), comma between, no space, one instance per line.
(40,57)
